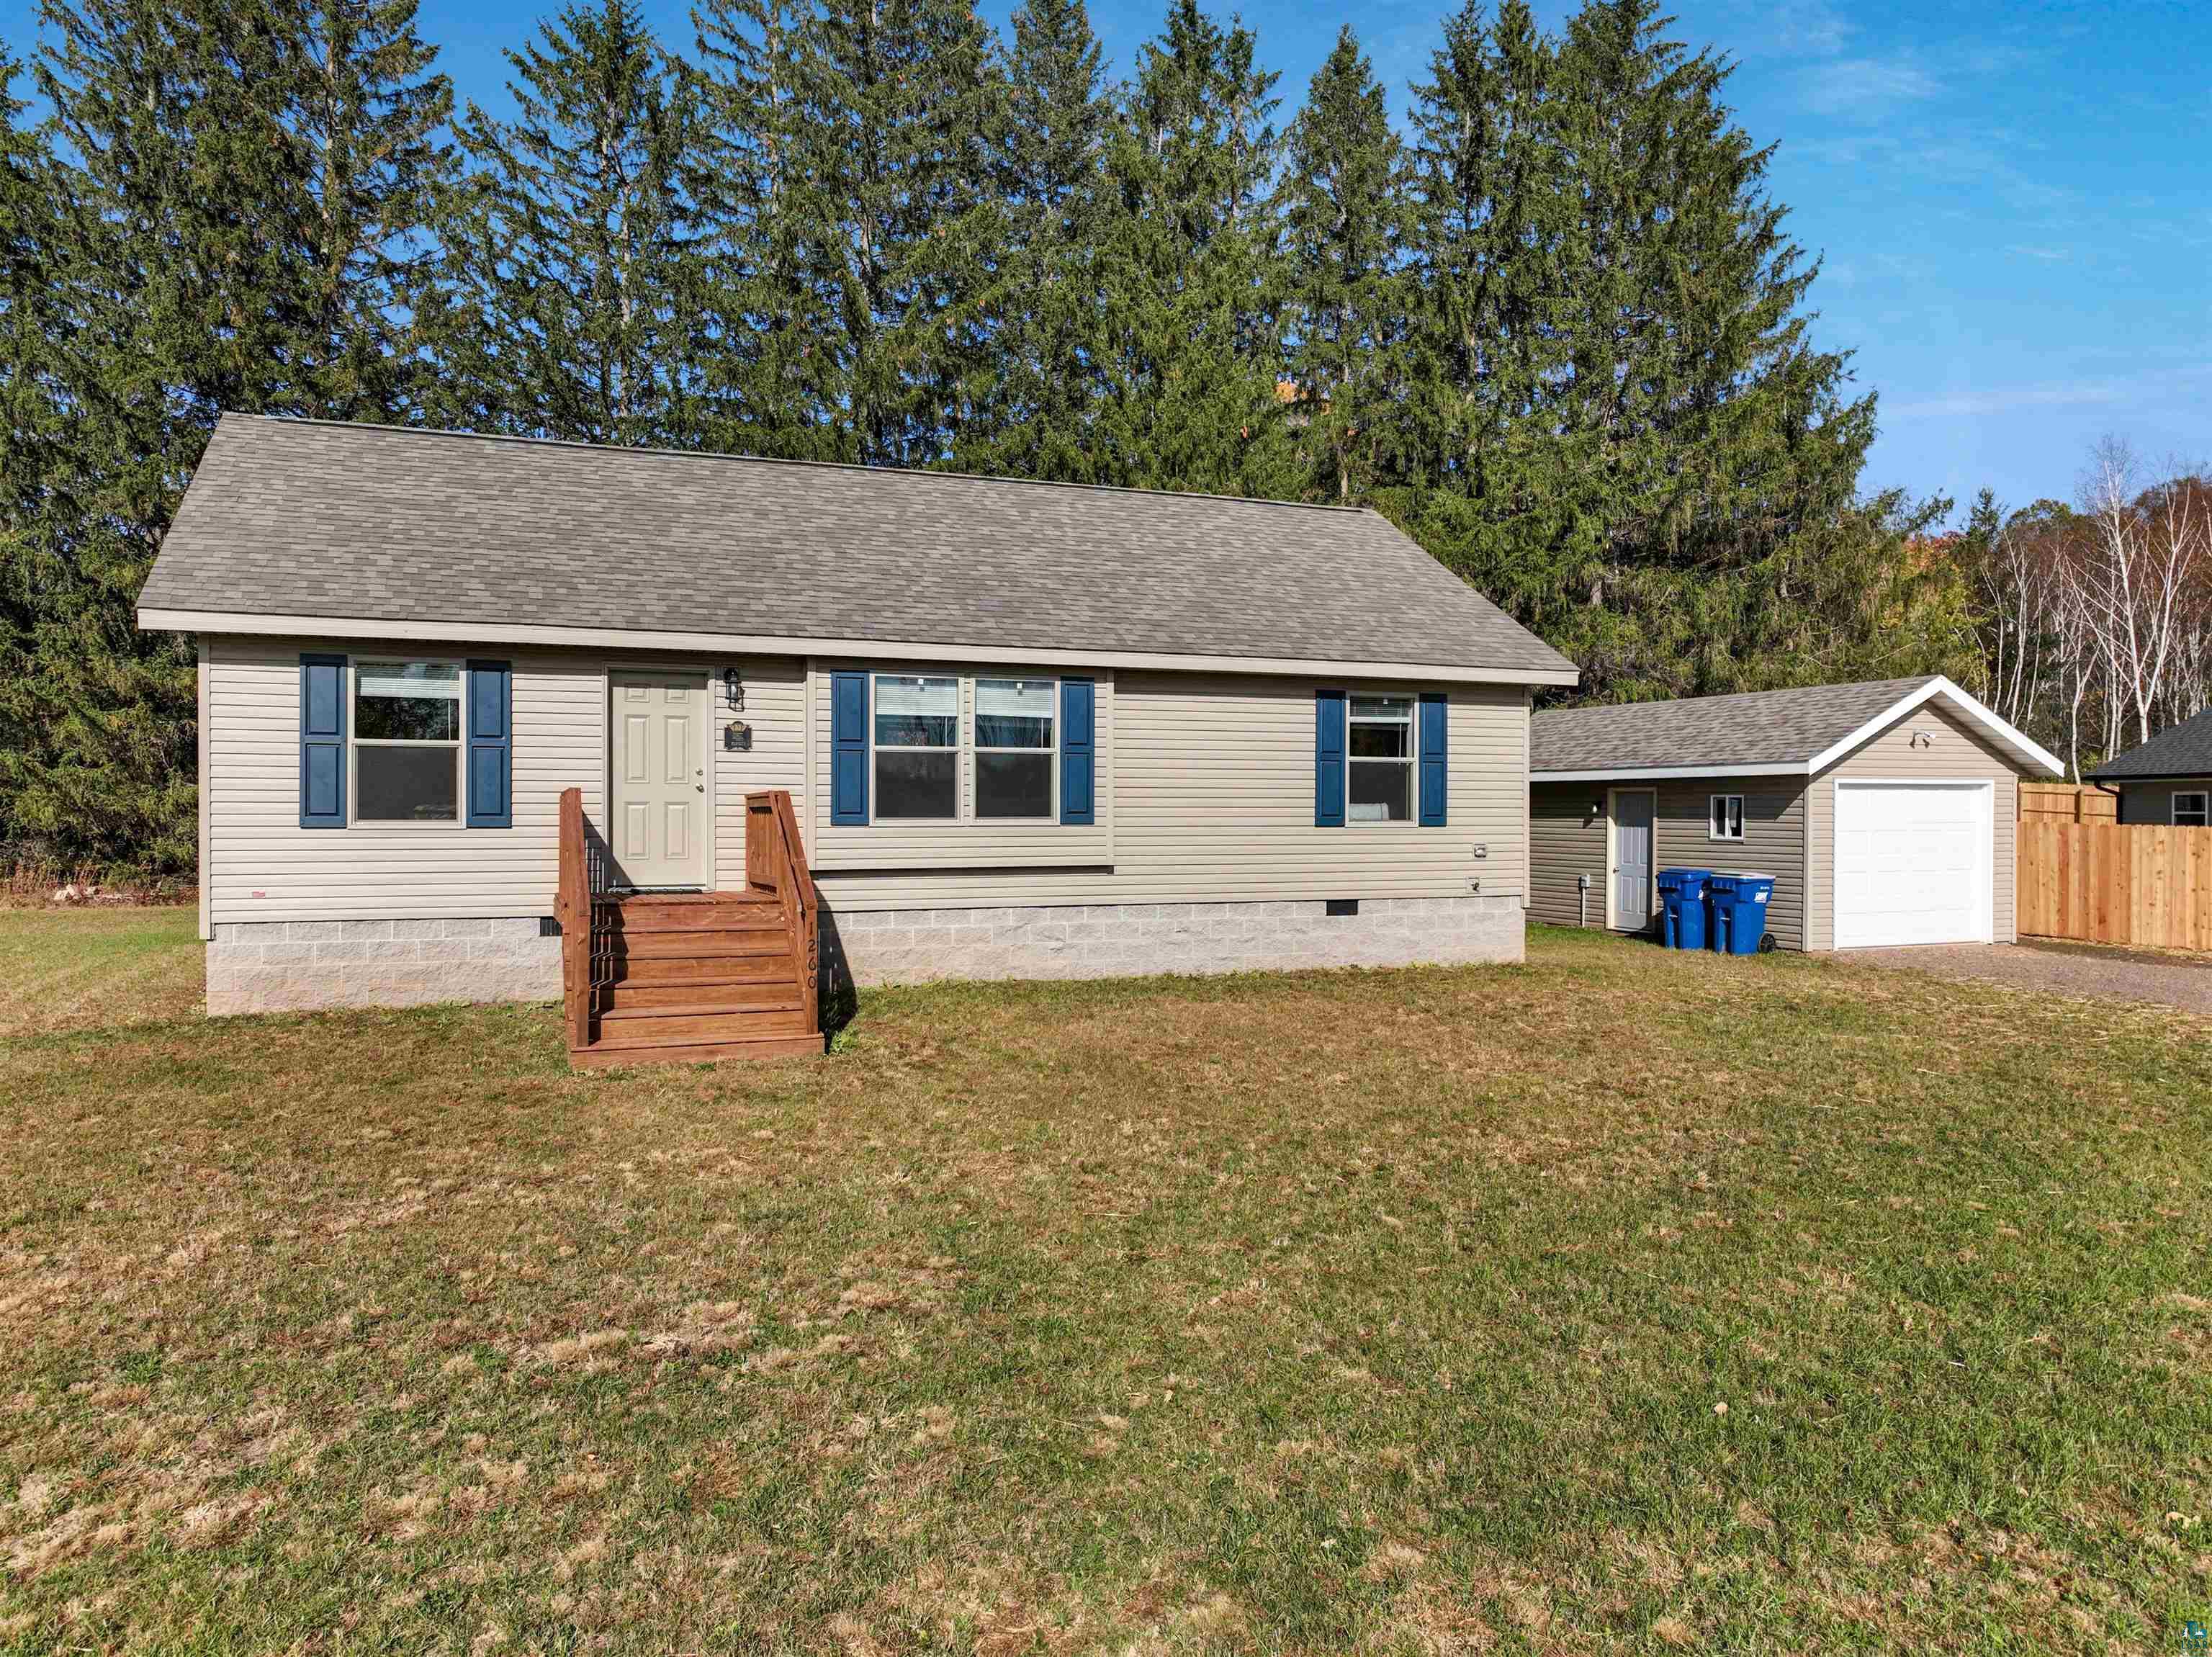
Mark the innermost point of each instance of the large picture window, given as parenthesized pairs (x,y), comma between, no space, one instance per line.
(917,742)
(1015,730)
(1380,785)
(952,747)
(407,741)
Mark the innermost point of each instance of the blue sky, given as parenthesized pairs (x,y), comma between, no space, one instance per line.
(2010,198)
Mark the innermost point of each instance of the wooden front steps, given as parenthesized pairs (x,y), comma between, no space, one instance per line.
(691,978)
(694,978)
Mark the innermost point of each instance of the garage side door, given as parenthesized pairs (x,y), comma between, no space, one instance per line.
(1912,863)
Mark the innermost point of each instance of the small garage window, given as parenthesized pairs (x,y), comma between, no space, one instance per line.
(2189,810)
(1724,817)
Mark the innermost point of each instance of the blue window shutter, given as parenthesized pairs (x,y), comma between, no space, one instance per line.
(1436,767)
(322,741)
(848,747)
(491,744)
(1328,759)
(1078,751)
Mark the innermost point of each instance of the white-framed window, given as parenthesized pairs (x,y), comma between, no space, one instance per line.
(1017,741)
(1378,782)
(406,746)
(917,746)
(2189,810)
(956,747)
(1724,817)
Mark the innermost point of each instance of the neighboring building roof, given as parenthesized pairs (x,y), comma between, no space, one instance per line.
(452,535)
(2183,749)
(1762,733)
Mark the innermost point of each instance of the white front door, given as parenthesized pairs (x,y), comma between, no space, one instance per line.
(1913,863)
(656,819)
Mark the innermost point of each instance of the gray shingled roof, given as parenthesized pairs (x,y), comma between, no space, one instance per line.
(1761,728)
(367,522)
(2183,749)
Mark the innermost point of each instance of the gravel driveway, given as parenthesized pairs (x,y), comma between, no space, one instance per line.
(2092,972)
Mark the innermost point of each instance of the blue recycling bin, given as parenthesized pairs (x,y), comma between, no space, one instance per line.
(1682,907)
(1738,903)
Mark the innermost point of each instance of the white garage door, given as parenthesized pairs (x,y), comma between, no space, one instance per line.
(1912,863)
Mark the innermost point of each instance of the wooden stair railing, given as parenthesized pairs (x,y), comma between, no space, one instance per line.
(775,862)
(688,977)
(579,907)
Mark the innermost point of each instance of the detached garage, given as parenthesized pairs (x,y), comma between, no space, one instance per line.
(1884,811)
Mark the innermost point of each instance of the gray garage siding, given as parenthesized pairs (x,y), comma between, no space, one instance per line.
(1567,840)
(1773,841)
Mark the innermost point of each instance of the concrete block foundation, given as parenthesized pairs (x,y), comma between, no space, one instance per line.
(1102,941)
(275,966)
(294,965)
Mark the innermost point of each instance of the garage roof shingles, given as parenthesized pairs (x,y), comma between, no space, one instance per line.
(1759,728)
(306,518)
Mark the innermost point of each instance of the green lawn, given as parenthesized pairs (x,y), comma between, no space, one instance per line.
(81,969)
(1615,1302)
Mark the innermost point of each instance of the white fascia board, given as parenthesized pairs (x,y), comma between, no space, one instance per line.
(2010,735)
(604,638)
(1665,773)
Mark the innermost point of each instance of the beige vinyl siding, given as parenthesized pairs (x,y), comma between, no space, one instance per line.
(2153,802)
(1773,841)
(200,760)
(1957,751)
(776,711)
(1566,840)
(1528,840)
(1205,790)
(1208,783)
(262,866)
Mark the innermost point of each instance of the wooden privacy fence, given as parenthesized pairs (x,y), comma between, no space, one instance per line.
(2146,884)
(2068,802)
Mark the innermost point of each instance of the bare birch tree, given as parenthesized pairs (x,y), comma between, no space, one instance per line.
(2145,552)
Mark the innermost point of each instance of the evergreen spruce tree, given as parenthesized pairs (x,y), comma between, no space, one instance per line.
(228,175)
(30,329)
(183,283)
(1488,205)
(770,276)
(904,101)
(367,117)
(30,224)
(1343,294)
(1190,334)
(1040,411)
(1700,428)
(1623,425)
(572,292)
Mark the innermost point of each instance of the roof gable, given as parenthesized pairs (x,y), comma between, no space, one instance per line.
(304,519)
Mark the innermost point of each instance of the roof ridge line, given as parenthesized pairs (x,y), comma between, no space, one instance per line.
(1915,680)
(386,428)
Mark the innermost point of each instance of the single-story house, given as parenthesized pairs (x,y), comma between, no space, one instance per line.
(2168,779)
(1019,729)
(1885,811)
